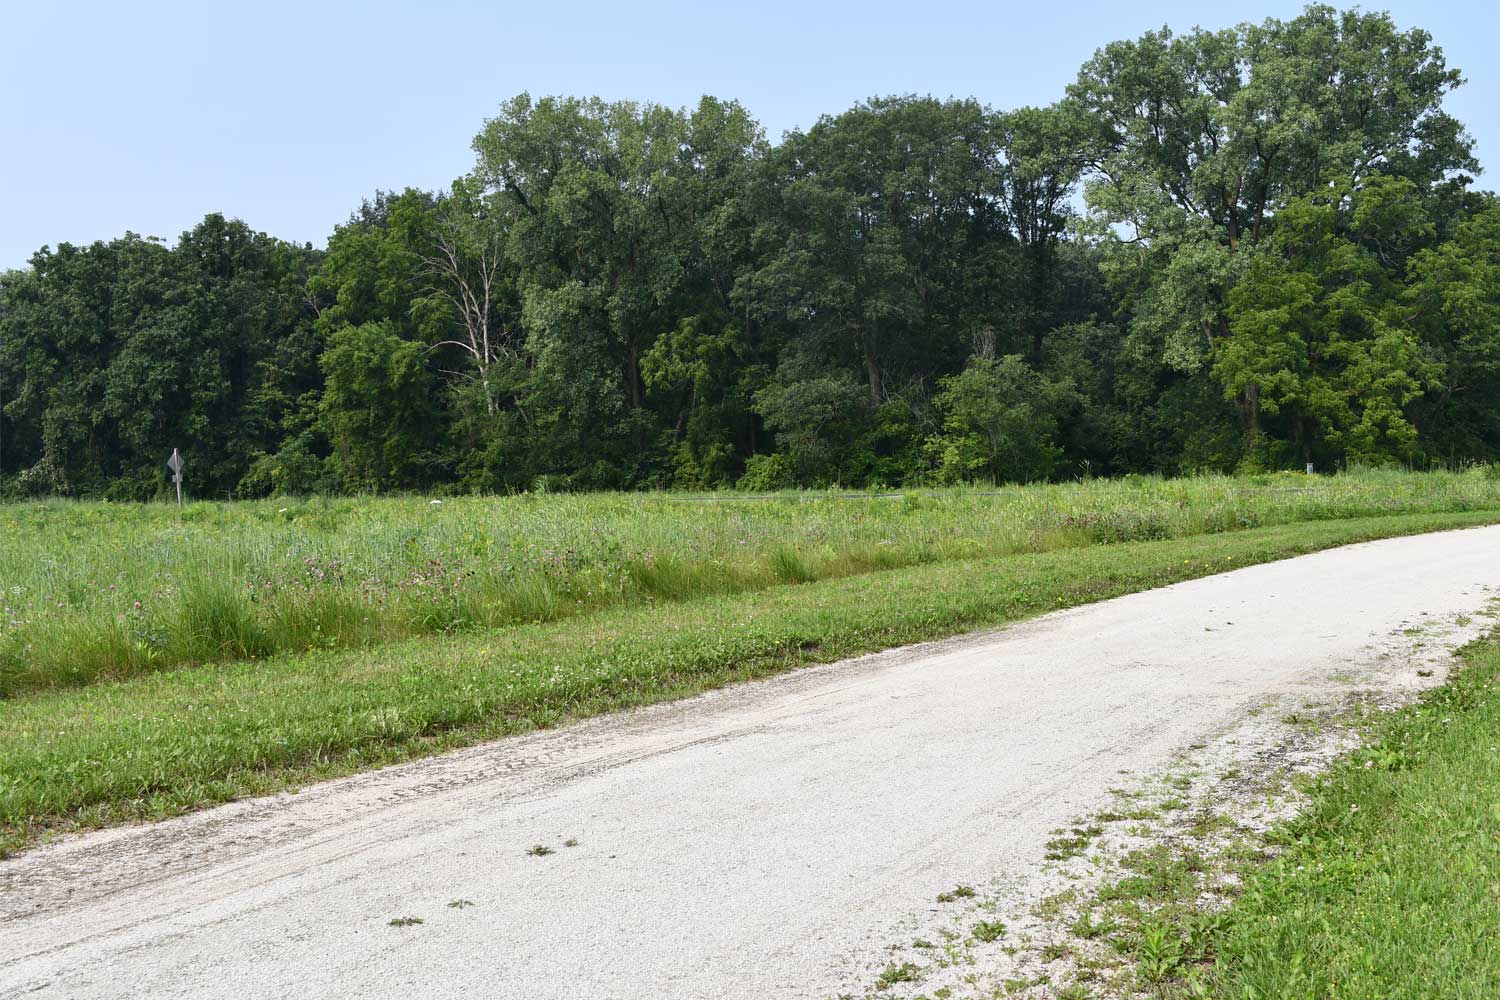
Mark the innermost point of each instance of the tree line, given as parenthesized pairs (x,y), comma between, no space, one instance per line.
(1232,250)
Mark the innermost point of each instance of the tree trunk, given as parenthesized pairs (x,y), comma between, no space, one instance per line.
(484,382)
(872,370)
(1249,407)
(633,375)
(635,395)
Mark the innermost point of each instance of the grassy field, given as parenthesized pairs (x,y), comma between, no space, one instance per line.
(1389,883)
(93,591)
(166,741)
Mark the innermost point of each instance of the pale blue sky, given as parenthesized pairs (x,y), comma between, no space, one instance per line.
(146,116)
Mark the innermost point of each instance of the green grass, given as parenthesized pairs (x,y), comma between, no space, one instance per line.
(97,591)
(1389,886)
(168,741)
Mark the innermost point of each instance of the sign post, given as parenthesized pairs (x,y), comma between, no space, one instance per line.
(175,464)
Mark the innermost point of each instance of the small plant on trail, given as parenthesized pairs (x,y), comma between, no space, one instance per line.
(989,930)
(1072,844)
(405,921)
(1160,952)
(539,850)
(958,892)
(906,972)
(1086,928)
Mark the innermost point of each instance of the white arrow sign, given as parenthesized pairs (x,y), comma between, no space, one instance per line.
(175,464)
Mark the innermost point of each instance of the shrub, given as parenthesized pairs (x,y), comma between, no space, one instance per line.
(768,473)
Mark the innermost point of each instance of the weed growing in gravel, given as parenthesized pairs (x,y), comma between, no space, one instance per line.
(1087,928)
(1072,843)
(906,972)
(989,930)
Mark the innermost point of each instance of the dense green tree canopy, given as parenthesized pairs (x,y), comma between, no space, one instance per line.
(116,353)
(1249,248)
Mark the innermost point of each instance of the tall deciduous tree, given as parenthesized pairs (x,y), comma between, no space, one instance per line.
(887,240)
(1044,151)
(1204,138)
(1316,328)
(377,408)
(620,227)
(1453,300)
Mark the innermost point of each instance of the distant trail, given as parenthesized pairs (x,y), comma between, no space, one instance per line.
(764,841)
(895,495)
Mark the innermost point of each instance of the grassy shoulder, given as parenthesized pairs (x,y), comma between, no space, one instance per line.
(1389,882)
(104,592)
(172,741)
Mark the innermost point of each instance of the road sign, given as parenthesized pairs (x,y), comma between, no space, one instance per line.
(175,464)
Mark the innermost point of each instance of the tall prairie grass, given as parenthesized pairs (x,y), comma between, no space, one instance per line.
(97,591)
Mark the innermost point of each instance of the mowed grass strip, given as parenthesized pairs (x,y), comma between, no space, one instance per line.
(168,742)
(1389,886)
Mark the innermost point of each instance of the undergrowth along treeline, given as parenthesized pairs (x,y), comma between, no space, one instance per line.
(1280,259)
(96,591)
(167,742)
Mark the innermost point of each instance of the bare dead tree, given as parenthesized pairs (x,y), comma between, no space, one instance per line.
(465,262)
(984,342)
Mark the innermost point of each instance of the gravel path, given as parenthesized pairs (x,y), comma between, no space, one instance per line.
(764,841)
